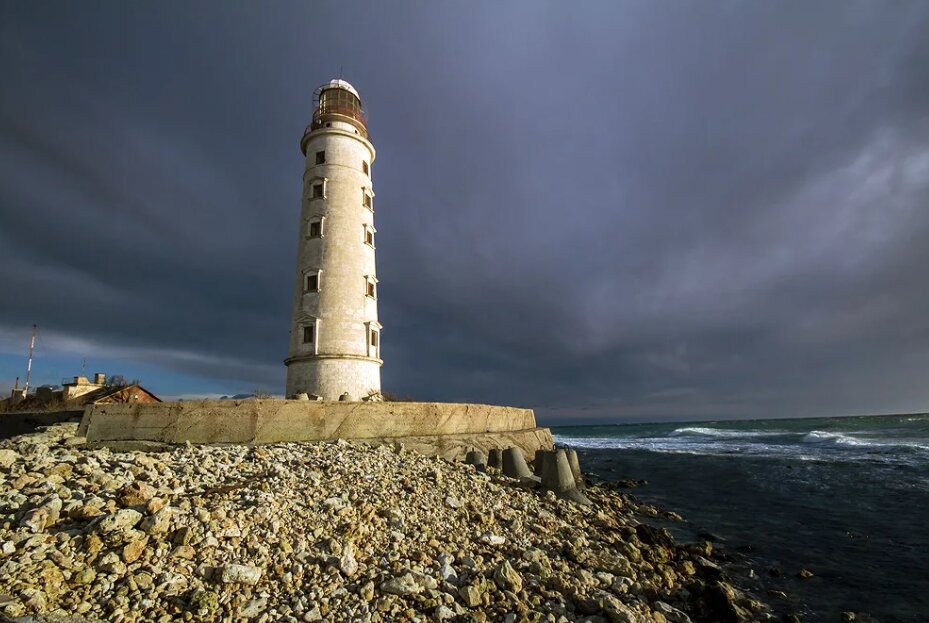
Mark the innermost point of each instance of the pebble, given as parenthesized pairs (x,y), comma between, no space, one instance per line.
(120,521)
(405,584)
(347,563)
(8,457)
(241,574)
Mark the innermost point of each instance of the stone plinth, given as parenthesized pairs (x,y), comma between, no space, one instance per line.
(446,429)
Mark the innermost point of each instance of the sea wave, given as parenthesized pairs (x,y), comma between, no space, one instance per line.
(813,446)
(723,432)
(848,439)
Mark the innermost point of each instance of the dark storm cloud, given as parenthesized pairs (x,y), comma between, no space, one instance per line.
(640,210)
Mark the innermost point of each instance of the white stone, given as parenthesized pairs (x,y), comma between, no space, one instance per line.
(347,563)
(240,574)
(8,457)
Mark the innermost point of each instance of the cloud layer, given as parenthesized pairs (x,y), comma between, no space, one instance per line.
(642,210)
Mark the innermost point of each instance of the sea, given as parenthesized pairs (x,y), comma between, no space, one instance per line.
(846,498)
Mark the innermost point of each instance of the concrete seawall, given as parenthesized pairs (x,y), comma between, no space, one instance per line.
(446,429)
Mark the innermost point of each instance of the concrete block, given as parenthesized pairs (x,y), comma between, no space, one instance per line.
(478,459)
(576,468)
(514,464)
(538,460)
(558,477)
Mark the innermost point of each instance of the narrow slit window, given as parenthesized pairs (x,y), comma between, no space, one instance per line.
(308,334)
(370,288)
(369,237)
(312,283)
(365,168)
(374,338)
(320,157)
(316,229)
(317,191)
(367,200)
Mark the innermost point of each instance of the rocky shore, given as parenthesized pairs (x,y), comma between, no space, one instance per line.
(330,532)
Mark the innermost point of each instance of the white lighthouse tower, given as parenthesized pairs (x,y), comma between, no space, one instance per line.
(335,338)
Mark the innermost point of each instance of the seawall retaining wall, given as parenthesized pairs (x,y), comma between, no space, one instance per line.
(446,429)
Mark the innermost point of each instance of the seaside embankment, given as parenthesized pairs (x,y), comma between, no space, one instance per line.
(330,531)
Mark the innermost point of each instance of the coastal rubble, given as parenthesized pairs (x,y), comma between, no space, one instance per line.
(330,532)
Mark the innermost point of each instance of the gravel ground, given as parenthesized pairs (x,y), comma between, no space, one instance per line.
(329,532)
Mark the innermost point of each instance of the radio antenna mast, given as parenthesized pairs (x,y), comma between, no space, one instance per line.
(29,365)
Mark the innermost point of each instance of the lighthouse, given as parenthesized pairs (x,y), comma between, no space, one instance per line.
(335,338)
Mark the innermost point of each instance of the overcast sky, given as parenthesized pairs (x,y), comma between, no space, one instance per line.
(606,211)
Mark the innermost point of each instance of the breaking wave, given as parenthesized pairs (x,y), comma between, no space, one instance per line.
(846,439)
(722,432)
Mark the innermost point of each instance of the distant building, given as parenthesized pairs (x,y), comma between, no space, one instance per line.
(76,394)
(81,385)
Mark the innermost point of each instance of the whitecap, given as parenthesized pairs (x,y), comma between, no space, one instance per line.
(848,439)
(723,432)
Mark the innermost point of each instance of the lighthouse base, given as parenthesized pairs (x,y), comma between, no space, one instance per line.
(329,377)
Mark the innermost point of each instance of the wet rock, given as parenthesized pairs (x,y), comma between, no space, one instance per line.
(618,612)
(671,614)
(654,536)
(718,601)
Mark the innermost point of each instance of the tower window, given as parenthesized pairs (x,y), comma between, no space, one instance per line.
(320,157)
(366,202)
(371,286)
(373,329)
(317,191)
(312,283)
(308,334)
(365,168)
(315,226)
(369,236)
